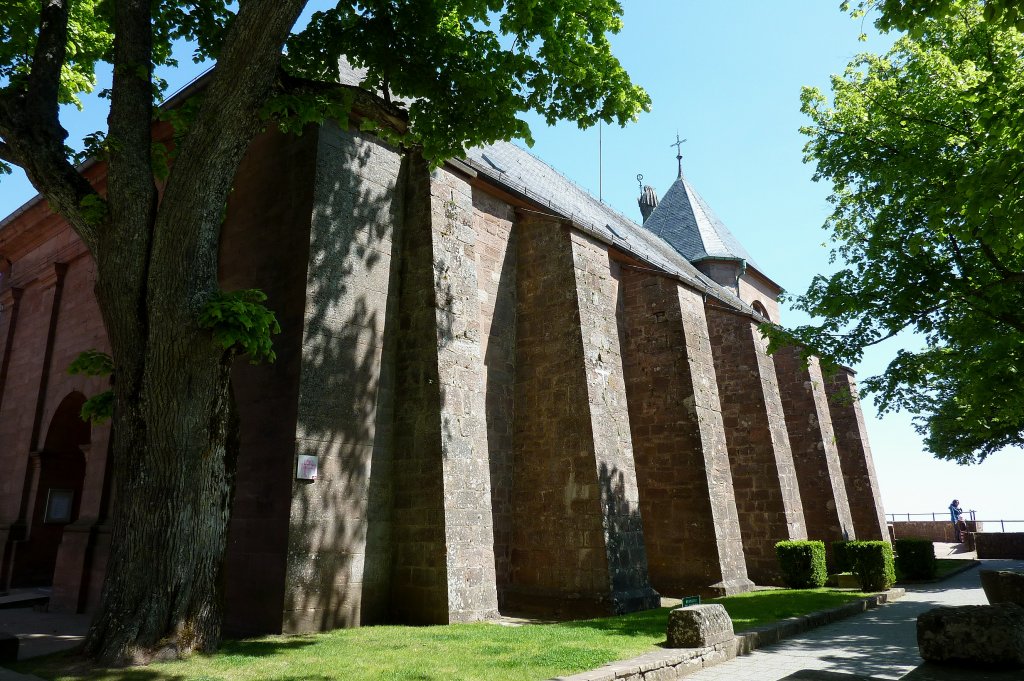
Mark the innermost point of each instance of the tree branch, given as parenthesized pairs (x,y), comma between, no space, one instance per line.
(130,186)
(7,155)
(48,58)
(31,145)
(33,137)
(187,228)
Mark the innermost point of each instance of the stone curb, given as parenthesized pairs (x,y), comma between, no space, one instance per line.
(665,664)
(963,568)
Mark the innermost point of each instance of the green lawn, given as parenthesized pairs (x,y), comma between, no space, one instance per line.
(948,565)
(465,651)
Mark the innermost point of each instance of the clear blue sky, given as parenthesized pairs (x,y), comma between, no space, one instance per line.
(727,76)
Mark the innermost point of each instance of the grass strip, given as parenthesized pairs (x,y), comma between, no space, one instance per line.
(465,652)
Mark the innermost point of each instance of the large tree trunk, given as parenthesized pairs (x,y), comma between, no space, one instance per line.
(174,458)
(174,430)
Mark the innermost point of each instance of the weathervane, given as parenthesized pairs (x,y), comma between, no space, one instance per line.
(678,144)
(640,180)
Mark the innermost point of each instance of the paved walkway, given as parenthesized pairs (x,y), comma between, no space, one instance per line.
(881,643)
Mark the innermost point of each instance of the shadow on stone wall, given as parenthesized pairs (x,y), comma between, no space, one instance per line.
(499,365)
(339,539)
(627,556)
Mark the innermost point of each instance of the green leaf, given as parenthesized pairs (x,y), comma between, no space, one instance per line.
(98,408)
(241,324)
(92,363)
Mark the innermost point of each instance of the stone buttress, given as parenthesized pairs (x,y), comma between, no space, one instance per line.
(855,457)
(444,567)
(577,537)
(763,474)
(686,492)
(339,550)
(818,470)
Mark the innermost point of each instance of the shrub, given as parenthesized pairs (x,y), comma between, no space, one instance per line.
(915,559)
(873,564)
(841,560)
(802,563)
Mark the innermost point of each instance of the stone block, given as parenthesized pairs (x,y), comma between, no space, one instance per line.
(699,626)
(8,647)
(1003,586)
(1007,545)
(847,580)
(981,635)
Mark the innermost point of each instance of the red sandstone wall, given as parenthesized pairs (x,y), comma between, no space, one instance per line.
(265,245)
(764,477)
(49,316)
(851,434)
(686,493)
(753,287)
(934,530)
(818,470)
(338,566)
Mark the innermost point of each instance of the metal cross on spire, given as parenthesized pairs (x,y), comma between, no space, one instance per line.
(678,144)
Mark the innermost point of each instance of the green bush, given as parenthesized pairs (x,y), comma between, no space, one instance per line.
(841,560)
(915,559)
(802,563)
(873,564)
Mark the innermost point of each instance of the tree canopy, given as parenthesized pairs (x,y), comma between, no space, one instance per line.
(912,15)
(440,75)
(924,148)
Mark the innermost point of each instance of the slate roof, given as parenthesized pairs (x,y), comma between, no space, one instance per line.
(523,173)
(685,220)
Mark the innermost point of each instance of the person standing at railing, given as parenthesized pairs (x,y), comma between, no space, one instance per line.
(956,516)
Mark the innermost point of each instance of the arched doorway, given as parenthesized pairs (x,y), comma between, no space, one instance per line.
(57,495)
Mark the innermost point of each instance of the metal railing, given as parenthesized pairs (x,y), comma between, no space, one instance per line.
(970,516)
(936,515)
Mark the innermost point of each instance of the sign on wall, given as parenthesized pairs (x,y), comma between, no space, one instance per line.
(306,467)
(58,506)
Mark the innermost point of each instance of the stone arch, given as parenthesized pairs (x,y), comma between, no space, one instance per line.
(59,477)
(66,430)
(760,309)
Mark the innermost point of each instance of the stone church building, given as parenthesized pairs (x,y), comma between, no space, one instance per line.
(518,399)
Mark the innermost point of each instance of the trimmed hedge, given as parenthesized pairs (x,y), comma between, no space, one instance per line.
(841,558)
(873,563)
(915,559)
(802,563)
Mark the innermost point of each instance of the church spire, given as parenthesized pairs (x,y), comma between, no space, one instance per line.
(678,144)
